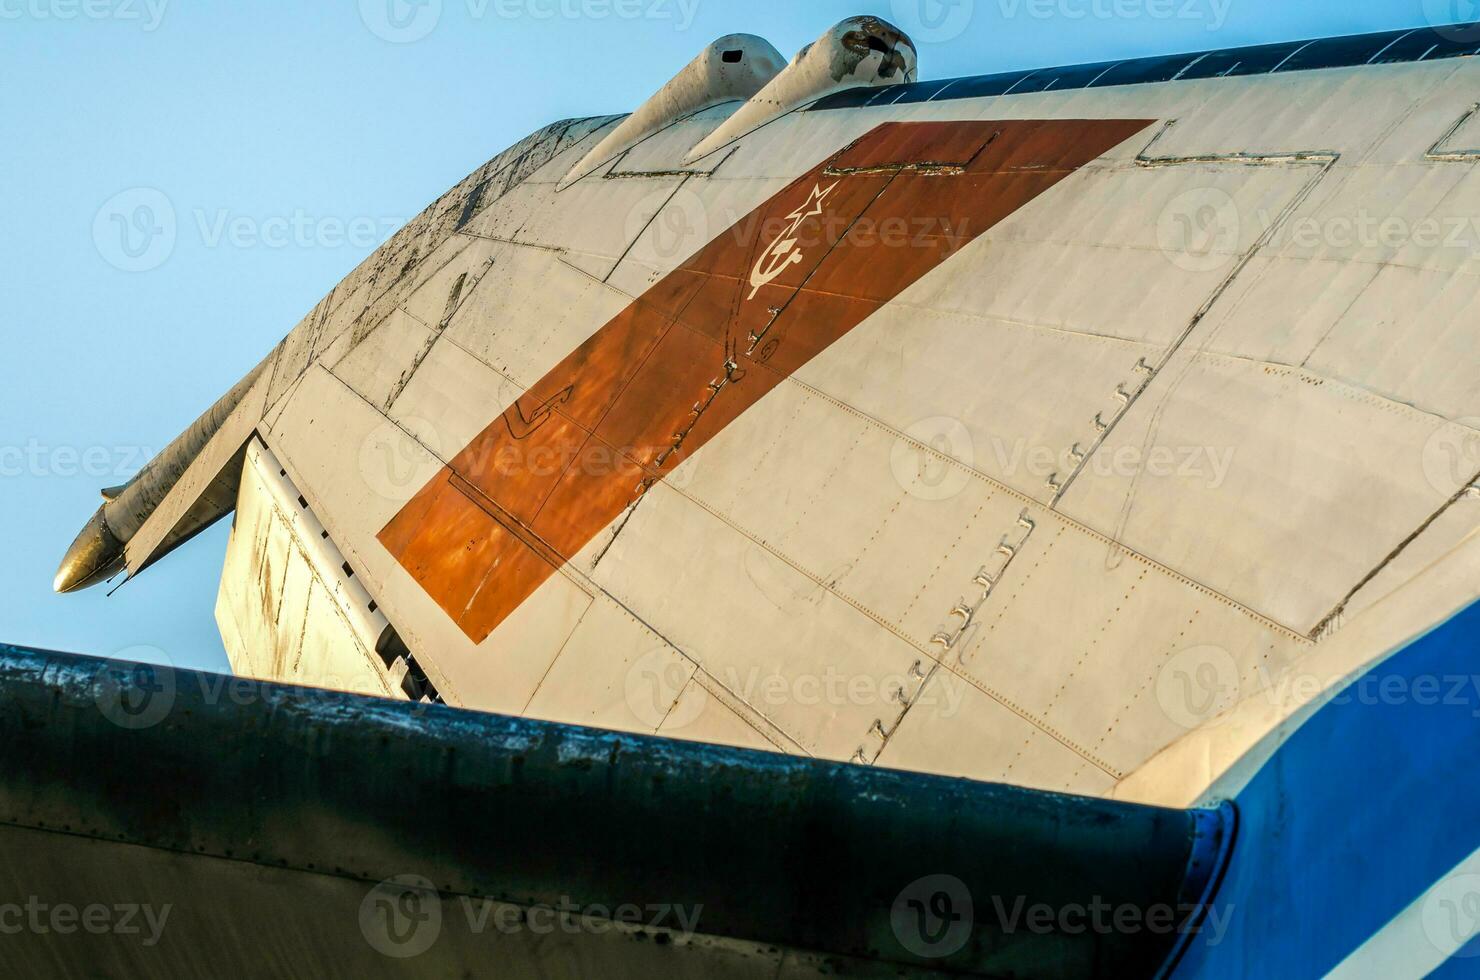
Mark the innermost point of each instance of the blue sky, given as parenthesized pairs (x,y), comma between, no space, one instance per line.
(290,138)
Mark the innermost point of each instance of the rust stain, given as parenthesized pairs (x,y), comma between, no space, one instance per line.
(710,340)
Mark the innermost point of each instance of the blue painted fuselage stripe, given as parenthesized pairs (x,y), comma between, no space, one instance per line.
(1388,47)
(1362,809)
(1464,964)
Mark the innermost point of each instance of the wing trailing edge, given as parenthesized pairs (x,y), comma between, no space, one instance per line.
(339,834)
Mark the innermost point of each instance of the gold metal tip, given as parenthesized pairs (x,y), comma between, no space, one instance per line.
(95,556)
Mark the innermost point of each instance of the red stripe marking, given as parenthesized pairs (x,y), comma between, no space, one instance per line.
(706,343)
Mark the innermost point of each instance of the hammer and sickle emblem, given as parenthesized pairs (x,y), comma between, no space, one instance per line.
(783,252)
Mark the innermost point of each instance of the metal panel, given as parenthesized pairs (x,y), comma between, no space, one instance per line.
(958,730)
(817,647)
(624,408)
(1354,456)
(662,153)
(1390,47)
(613,673)
(1306,811)
(1257,60)
(905,95)
(1337,374)
(1142,71)
(325,795)
(974,88)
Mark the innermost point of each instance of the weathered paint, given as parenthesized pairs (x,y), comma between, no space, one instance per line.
(1075,327)
(194,790)
(860,51)
(98,552)
(1384,48)
(731,70)
(659,381)
(1024,624)
(1364,808)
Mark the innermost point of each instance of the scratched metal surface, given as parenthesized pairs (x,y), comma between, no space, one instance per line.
(1020,618)
(265,818)
(652,387)
(1389,47)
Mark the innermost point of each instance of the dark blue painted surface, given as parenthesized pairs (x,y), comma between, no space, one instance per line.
(1463,965)
(775,850)
(1421,44)
(1372,801)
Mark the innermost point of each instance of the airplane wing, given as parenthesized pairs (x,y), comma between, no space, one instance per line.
(1088,429)
(355,837)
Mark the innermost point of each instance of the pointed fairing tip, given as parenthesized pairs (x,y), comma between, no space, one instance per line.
(96,555)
